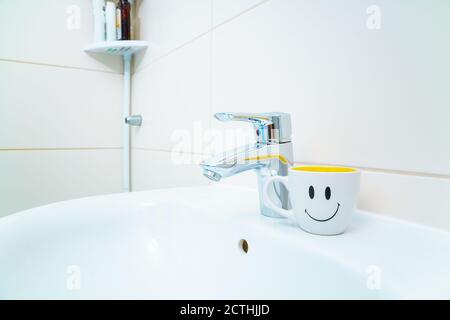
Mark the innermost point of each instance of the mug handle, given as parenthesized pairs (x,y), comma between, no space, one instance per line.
(268,201)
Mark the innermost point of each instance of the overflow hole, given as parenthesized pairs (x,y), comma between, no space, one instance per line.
(243,245)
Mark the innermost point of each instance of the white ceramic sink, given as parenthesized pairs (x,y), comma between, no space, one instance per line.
(184,243)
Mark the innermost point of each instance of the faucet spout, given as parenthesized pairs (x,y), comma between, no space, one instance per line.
(211,175)
(270,155)
(236,161)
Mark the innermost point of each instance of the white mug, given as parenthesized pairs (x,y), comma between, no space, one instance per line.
(323,198)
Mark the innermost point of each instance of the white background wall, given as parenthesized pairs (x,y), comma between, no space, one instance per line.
(60,109)
(374,99)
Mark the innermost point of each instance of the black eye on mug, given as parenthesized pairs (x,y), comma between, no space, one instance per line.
(311,192)
(327,193)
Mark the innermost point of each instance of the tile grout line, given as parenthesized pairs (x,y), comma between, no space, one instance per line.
(58,149)
(385,171)
(368,169)
(226,21)
(199,36)
(58,66)
(212,28)
(167,151)
(408,173)
(171,51)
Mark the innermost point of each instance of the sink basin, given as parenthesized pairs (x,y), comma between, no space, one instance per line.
(211,243)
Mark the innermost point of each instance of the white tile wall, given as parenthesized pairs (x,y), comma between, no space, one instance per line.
(167,24)
(357,97)
(224,10)
(157,169)
(420,199)
(37,31)
(59,107)
(49,107)
(376,99)
(171,95)
(34,178)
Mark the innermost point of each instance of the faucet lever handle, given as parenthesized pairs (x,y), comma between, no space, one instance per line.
(259,120)
(271,127)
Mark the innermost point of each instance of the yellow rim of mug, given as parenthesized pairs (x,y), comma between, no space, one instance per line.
(324,169)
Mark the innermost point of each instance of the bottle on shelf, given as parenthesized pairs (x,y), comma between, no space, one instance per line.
(132,20)
(99,20)
(110,21)
(123,20)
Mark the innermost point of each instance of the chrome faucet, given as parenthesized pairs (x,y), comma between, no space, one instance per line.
(270,155)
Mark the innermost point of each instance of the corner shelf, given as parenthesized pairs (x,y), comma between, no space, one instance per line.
(125,47)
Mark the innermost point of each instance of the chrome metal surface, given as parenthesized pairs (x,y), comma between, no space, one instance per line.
(269,126)
(271,155)
(135,120)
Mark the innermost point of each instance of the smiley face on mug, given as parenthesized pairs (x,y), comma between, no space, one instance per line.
(323,198)
(323,206)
